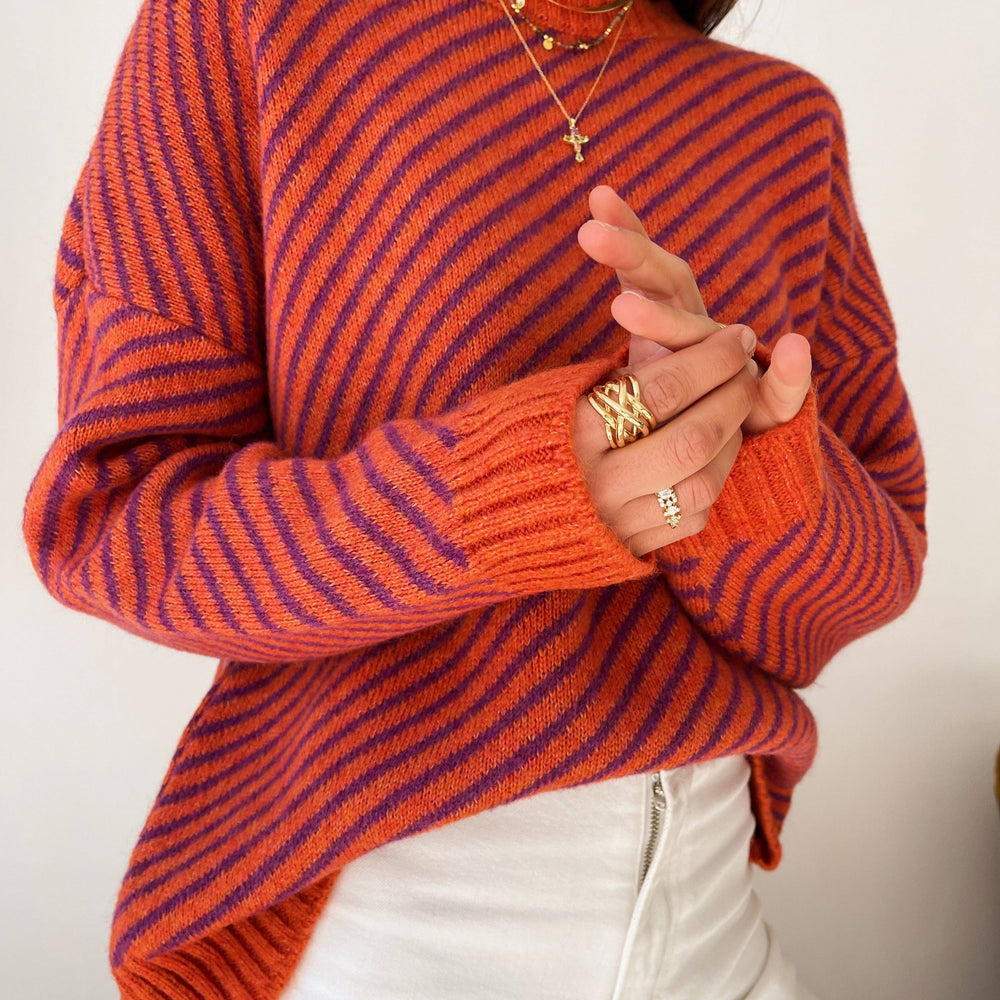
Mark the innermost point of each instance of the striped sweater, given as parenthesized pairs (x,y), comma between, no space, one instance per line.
(323,322)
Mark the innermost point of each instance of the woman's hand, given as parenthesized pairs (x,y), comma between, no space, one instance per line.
(661,306)
(699,397)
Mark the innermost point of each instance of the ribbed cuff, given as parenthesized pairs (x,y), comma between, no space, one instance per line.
(777,480)
(527,518)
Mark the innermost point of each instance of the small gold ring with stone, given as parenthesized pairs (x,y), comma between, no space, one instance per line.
(667,500)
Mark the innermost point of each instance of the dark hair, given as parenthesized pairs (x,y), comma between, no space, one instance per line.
(705,15)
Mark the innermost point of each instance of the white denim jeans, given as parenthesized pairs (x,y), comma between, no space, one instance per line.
(544,899)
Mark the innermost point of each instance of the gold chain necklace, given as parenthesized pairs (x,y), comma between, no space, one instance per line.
(575,137)
(581,44)
(593,10)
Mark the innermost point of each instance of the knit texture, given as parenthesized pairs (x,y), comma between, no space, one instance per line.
(323,323)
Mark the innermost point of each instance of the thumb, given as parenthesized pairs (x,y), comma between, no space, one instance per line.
(783,387)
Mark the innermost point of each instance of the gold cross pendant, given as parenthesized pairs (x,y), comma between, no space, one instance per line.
(577,138)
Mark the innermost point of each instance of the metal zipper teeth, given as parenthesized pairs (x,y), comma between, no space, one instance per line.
(656,812)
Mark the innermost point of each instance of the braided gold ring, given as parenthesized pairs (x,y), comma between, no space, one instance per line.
(618,403)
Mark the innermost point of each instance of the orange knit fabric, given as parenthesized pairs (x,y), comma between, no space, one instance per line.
(322,326)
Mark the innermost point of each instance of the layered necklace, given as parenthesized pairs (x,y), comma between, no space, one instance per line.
(575,138)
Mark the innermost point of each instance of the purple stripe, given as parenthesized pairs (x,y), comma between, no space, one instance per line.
(872,408)
(246,600)
(93,335)
(256,530)
(426,470)
(904,444)
(319,514)
(539,224)
(138,568)
(101,169)
(756,718)
(102,557)
(857,391)
(192,465)
(294,842)
(143,344)
(130,417)
(264,744)
(228,241)
(735,626)
(294,59)
(73,320)
(381,540)
(133,216)
(246,282)
(179,276)
(69,257)
(292,698)
(822,560)
(408,558)
(850,469)
(325,723)
(866,320)
(608,733)
(406,507)
(880,551)
(242,123)
(320,242)
(780,695)
(897,476)
(724,220)
(840,599)
(714,740)
(315,138)
(169,369)
(280,778)
(837,381)
(538,273)
(743,286)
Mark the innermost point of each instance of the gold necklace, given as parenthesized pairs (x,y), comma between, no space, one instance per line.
(581,44)
(606,8)
(575,137)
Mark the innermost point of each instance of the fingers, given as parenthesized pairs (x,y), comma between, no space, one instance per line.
(782,388)
(670,384)
(666,324)
(680,448)
(642,265)
(608,206)
(641,523)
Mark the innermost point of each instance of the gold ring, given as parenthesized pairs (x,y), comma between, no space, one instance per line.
(625,417)
(667,500)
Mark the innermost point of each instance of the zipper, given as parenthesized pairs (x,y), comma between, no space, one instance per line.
(659,803)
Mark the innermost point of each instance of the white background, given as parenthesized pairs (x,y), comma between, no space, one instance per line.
(890,884)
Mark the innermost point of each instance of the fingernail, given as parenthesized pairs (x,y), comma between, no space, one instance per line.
(629,291)
(607,225)
(749,339)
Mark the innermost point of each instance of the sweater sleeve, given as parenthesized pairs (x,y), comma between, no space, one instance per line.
(819,535)
(164,504)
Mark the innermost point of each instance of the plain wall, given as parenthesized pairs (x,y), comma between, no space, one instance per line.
(890,883)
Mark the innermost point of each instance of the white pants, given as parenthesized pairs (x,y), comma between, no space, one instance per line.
(540,899)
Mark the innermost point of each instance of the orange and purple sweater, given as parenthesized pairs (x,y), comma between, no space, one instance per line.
(323,322)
